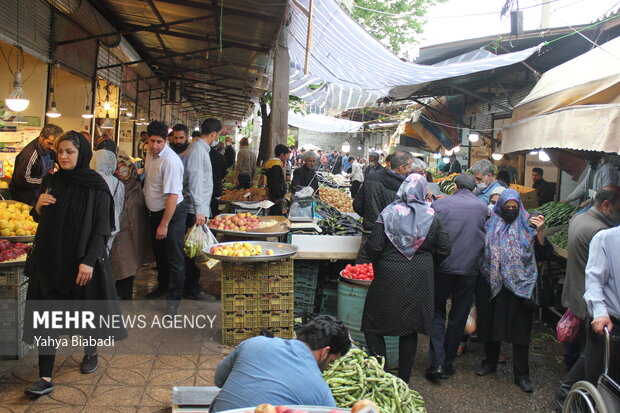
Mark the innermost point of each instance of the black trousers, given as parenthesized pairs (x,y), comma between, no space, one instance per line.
(444,341)
(124,288)
(192,273)
(169,253)
(47,356)
(520,357)
(355,187)
(407,346)
(245,181)
(362,256)
(215,207)
(277,208)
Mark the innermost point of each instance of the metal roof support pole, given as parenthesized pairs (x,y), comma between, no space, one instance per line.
(309,39)
(278,128)
(134,141)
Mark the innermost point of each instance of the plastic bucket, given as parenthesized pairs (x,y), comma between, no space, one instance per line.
(351,299)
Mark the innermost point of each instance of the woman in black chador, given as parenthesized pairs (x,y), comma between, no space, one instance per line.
(69,261)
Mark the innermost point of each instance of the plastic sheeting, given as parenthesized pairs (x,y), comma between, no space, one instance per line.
(350,69)
(322,123)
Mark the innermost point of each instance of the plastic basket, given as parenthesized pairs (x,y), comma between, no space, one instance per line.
(306,275)
(14,292)
(282,332)
(276,302)
(276,319)
(277,268)
(12,276)
(244,303)
(329,302)
(239,285)
(240,320)
(276,285)
(232,337)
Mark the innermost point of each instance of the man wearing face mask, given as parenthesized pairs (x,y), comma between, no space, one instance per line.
(484,174)
(600,175)
(583,227)
(373,164)
(378,191)
(197,191)
(180,141)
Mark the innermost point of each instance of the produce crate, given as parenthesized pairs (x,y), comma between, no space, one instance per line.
(239,285)
(240,320)
(12,276)
(14,292)
(276,285)
(329,301)
(275,302)
(285,332)
(276,319)
(277,268)
(232,337)
(12,312)
(306,275)
(232,303)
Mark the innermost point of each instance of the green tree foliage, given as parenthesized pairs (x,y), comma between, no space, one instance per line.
(395,23)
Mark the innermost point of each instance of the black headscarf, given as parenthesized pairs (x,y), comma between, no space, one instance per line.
(66,226)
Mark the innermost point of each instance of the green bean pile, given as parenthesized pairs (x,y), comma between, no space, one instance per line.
(559,238)
(356,376)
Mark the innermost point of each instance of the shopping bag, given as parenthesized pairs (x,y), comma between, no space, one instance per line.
(470,326)
(198,241)
(569,328)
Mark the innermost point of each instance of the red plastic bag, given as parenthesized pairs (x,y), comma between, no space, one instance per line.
(569,327)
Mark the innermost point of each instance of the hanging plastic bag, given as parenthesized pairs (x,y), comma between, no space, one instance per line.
(470,326)
(569,328)
(198,241)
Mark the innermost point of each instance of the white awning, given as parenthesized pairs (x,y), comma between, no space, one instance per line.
(586,127)
(322,123)
(350,69)
(573,106)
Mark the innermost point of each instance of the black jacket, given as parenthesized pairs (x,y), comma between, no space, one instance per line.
(218,167)
(230,154)
(377,192)
(28,174)
(372,169)
(302,177)
(276,183)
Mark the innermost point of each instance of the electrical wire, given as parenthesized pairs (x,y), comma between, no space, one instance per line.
(448,17)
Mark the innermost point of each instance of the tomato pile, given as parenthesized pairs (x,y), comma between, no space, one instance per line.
(359,272)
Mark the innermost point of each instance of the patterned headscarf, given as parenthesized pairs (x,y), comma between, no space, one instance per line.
(509,258)
(408,219)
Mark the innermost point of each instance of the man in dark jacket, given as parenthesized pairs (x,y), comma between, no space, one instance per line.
(545,191)
(305,175)
(230,153)
(373,164)
(218,168)
(464,217)
(32,164)
(378,191)
(276,178)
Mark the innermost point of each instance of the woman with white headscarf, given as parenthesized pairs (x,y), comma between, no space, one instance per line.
(104,162)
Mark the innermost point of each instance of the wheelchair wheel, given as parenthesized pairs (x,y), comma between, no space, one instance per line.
(584,397)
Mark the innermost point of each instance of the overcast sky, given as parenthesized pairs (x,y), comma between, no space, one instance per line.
(444,26)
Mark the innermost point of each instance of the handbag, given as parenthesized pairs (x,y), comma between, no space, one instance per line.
(568,328)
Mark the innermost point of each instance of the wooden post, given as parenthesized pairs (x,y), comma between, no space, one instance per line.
(278,128)
(309,38)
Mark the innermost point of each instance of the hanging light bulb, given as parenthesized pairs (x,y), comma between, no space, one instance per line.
(456,149)
(88,114)
(473,137)
(449,152)
(359,148)
(497,156)
(107,105)
(436,155)
(19,119)
(446,159)
(533,152)
(17,100)
(53,112)
(542,155)
(107,124)
(129,114)
(346,147)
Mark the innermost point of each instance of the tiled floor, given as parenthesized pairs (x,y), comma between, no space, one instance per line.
(123,382)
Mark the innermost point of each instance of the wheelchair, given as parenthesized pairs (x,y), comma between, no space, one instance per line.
(584,397)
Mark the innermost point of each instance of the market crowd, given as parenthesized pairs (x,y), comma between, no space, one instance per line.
(477,246)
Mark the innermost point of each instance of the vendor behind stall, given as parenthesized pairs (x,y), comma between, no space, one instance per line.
(275,171)
(32,164)
(282,372)
(600,175)
(305,175)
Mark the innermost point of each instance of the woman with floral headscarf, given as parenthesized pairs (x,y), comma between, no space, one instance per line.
(406,241)
(503,296)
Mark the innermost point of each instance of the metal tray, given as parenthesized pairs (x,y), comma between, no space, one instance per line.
(281,251)
(23,238)
(365,283)
(10,264)
(281,228)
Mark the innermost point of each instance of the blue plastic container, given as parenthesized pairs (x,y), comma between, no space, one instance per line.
(351,299)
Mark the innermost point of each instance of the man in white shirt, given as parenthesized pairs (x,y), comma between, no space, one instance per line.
(603,299)
(198,191)
(163,193)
